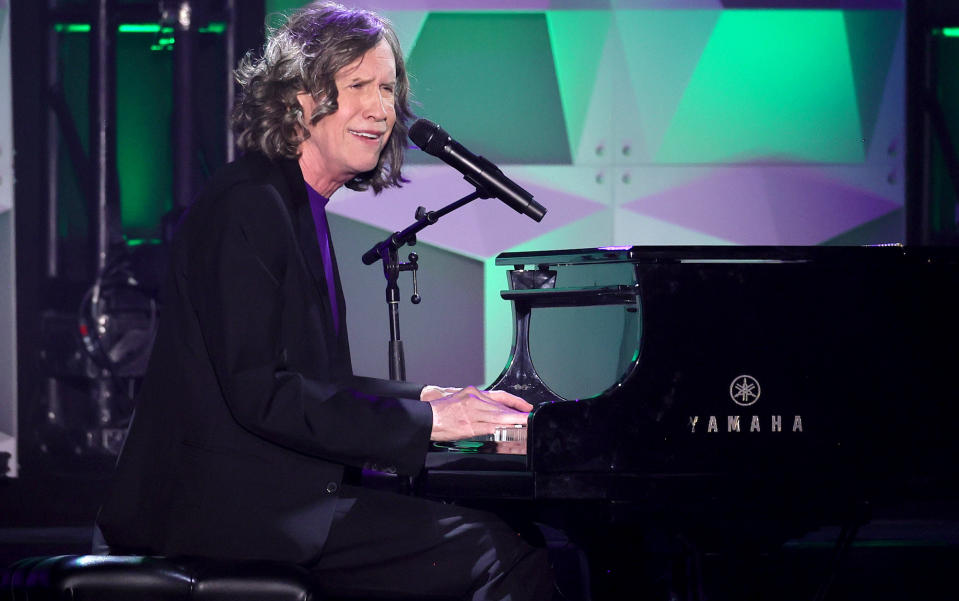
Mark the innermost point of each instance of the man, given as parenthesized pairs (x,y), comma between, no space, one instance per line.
(250,425)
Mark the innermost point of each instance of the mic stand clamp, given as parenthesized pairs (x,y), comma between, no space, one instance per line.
(391,271)
(388,252)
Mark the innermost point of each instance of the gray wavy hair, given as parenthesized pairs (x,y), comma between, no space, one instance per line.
(303,55)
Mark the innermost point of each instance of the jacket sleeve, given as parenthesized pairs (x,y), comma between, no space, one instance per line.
(244,252)
(380,387)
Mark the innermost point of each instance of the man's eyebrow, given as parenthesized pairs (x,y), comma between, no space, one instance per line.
(357,79)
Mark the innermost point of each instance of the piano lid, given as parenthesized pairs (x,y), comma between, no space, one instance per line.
(724,253)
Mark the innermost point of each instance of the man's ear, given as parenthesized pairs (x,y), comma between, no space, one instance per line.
(307,104)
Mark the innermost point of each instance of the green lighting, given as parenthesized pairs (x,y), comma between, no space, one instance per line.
(144,241)
(214,27)
(795,101)
(950,32)
(577,53)
(163,43)
(473,61)
(139,28)
(72,28)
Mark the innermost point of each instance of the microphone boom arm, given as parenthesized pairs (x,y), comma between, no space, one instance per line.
(396,240)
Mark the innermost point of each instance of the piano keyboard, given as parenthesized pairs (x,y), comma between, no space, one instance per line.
(508,434)
(509,440)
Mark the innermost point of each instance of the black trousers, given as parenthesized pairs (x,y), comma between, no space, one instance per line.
(394,546)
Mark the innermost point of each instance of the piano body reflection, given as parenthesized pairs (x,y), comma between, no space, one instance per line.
(763,391)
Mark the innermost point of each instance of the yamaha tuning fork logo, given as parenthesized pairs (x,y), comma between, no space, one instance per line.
(744,391)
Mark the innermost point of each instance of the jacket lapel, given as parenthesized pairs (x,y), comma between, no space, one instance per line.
(340,300)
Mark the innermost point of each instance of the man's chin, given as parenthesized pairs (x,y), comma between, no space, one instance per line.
(370,167)
(364,176)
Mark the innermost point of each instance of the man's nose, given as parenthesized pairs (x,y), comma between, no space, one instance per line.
(376,105)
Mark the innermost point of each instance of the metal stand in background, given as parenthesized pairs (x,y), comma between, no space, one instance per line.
(387,251)
(932,159)
(181,15)
(93,357)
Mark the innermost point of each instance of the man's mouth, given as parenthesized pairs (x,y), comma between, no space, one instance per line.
(366,134)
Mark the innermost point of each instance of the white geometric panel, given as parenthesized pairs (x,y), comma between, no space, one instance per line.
(577,41)
(597,124)
(635,229)
(662,50)
(585,182)
(637,181)
(407,24)
(591,231)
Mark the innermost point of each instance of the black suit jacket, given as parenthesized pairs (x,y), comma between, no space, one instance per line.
(249,412)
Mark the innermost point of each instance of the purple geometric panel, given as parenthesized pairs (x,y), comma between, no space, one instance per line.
(872,4)
(818,4)
(878,179)
(458,5)
(765,205)
(890,228)
(481,229)
(666,4)
(580,4)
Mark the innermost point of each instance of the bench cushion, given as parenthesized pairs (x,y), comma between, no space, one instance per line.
(129,578)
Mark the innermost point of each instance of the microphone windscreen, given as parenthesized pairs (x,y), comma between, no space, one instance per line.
(428,136)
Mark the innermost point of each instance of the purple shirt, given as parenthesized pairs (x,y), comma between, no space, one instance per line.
(318,208)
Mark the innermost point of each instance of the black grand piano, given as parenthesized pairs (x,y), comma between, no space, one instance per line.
(762,392)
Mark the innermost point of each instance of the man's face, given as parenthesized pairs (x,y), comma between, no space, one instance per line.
(349,141)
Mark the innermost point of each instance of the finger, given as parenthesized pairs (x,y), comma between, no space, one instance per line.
(504,418)
(508,399)
(483,428)
(483,410)
(491,409)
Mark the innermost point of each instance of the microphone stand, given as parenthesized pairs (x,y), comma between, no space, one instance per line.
(387,251)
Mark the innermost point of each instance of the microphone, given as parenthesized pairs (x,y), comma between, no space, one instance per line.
(488,179)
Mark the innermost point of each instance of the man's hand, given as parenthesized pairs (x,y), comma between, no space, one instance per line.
(434,393)
(471,412)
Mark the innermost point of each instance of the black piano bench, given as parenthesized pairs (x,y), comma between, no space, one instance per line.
(134,578)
